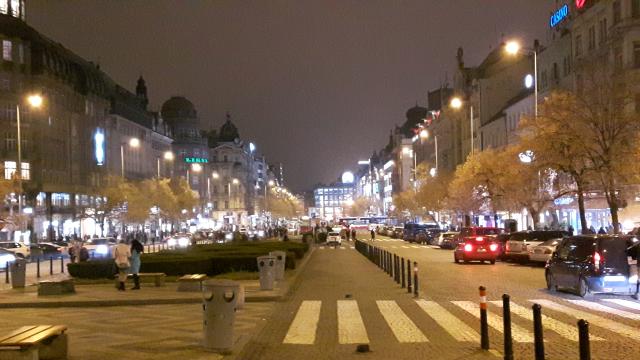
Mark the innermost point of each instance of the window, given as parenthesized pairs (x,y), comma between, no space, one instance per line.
(226,158)
(578,45)
(226,204)
(215,205)
(5,82)
(543,79)
(9,169)
(603,30)
(636,54)
(25,173)
(15,8)
(592,38)
(617,12)
(6,50)
(4,8)
(635,8)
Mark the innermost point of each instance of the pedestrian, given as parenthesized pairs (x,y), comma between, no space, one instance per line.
(353,234)
(121,256)
(601,231)
(348,233)
(570,229)
(373,235)
(637,253)
(592,230)
(136,250)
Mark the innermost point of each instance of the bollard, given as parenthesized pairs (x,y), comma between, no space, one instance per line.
(391,265)
(403,274)
(409,276)
(38,268)
(415,279)
(6,272)
(484,327)
(585,348)
(51,265)
(506,318)
(61,264)
(538,338)
(396,271)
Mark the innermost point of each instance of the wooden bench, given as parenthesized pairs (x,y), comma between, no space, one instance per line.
(53,287)
(158,278)
(46,342)
(192,282)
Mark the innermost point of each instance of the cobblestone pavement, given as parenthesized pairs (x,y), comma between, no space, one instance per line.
(136,332)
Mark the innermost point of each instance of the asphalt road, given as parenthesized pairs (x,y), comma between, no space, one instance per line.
(343,300)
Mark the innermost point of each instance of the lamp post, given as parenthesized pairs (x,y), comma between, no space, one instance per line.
(456,103)
(513,48)
(167,156)
(35,101)
(133,143)
(195,168)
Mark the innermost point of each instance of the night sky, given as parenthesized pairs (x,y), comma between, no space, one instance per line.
(316,85)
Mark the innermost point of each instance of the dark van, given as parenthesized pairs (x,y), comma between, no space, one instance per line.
(419,233)
(589,264)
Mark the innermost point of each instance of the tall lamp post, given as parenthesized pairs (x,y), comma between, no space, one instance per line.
(133,143)
(513,48)
(196,168)
(35,101)
(167,156)
(456,103)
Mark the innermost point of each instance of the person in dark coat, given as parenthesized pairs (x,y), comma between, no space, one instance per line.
(373,234)
(136,250)
(353,234)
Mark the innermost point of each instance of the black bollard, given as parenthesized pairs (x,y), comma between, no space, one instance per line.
(415,279)
(484,326)
(585,348)
(51,265)
(61,264)
(396,270)
(506,318)
(403,274)
(409,276)
(38,267)
(391,265)
(538,338)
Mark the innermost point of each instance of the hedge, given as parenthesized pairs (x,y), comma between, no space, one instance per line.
(200,259)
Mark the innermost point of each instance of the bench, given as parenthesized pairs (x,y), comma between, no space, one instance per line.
(192,282)
(158,278)
(46,342)
(56,287)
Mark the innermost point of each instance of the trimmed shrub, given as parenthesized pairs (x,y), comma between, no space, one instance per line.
(95,269)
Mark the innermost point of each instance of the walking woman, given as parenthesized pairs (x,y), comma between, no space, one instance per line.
(121,256)
(136,250)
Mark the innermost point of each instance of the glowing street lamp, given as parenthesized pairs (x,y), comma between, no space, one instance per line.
(35,101)
(167,156)
(513,48)
(215,175)
(133,143)
(456,103)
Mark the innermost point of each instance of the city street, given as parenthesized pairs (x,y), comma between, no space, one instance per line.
(343,300)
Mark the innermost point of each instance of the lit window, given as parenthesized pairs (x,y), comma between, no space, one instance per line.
(3,6)
(26,173)
(9,169)
(15,8)
(6,50)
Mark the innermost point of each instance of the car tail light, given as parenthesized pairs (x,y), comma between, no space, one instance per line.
(597,259)
(493,247)
(468,247)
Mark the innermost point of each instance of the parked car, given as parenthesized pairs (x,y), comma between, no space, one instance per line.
(397,232)
(20,250)
(6,256)
(520,242)
(47,250)
(334,238)
(543,252)
(501,240)
(100,247)
(589,264)
(480,248)
(445,239)
(418,233)
(470,233)
(181,240)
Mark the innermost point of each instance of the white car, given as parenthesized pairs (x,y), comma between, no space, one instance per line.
(179,240)
(18,249)
(334,238)
(100,247)
(6,256)
(543,252)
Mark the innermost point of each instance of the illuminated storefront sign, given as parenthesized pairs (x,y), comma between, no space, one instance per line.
(195,160)
(98,139)
(559,15)
(580,3)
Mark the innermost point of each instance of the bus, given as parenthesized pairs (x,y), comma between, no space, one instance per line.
(363,222)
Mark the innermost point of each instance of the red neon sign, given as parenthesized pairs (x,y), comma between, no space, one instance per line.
(580,3)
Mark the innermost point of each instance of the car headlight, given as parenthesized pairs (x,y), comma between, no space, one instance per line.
(261,233)
(228,236)
(102,249)
(4,259)
(183,242)
(171,242)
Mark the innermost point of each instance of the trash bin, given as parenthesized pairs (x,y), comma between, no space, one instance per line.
(219,307)
(266,266)
(280,263)
(18,273)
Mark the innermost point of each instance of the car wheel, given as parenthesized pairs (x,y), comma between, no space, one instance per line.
(493,262)
(551,281)
(583,288)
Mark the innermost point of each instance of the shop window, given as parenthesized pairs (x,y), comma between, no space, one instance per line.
(7,47)
(9,169)
(26,171)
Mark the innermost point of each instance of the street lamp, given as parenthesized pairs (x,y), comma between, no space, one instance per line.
(167,156)
(35,101)
(513,48)
(456,103)
(435,140)
(133,143)
(195,168)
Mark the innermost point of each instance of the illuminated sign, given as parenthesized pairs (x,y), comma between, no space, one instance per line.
(195,160)
(580,3)
(98,139)
(559,15)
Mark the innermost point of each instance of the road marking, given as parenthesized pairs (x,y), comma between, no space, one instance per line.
(595,320)
(321,247)
(519,334)
(353,247)
(606,309)
(403,328)
(560,328)
(351,328)
(404,247)
(626,303)
(304,325)
(342,248)
(449,322)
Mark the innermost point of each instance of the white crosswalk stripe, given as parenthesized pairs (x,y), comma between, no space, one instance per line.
(606,309)
(403,328)
(351,328)
(595,320)
(451,324)
(304,325)
(519,334)
(625,303)
(560,328)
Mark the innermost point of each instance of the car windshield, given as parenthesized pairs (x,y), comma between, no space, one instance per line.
(10,245)
(551,242)
(487,231)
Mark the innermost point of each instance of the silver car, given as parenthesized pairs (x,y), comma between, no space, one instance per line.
(543,252)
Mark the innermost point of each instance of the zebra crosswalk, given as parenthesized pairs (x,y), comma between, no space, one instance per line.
(351,247)
(459,320)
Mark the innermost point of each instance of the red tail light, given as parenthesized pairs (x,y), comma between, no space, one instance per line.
(597,260)
(493,247)
(468,247)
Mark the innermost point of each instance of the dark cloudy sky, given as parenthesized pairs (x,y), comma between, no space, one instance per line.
(316,84)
